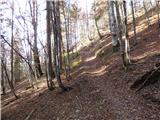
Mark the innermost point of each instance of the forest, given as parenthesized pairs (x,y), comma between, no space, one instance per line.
(80,59)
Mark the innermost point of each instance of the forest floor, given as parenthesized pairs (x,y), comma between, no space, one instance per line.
(101,88)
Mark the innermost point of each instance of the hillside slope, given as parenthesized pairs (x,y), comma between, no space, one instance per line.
(101,88)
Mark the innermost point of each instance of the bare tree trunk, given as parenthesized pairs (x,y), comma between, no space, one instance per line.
(9,82)
(63,48)
(2,68)
(34,15)
(127,48)
(29,60)
(65,62)
(12,45)
(56,38)
(146,13)
(99,34)
(68,37)
(158,12)
(120,35)
(29,77)
(113,26)
(59,37)
(49,70)
(95,20)
(76,46)
(67,42)
(16,64)
(134,23)
(2,80)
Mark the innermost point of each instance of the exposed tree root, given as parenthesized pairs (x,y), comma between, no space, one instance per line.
(148,78)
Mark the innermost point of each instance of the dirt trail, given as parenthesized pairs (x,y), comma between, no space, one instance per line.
(123,103)
(100,89)
(100,92)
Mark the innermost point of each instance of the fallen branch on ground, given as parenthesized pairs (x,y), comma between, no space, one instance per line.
(148,78)
(29,115)
(153,73)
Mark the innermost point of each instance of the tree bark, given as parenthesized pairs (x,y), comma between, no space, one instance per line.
(67,42)
(96,22)
(99,34)
(49,55)
(16,64)
(59,36)
(120,35)
(158,9)
(34,15)
(123,40)
(9,82)
(12,45)
(56,38)
(127,48)
(113,26)
(2,69)
(134,23)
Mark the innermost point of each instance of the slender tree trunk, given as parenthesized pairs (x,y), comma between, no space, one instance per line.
(65,63)
(2,80)
(96,22)
(16,66)
(68,37)
(67,21)
(3,83)
(12,41)
(158,12)
(127,48)
(46,72)
(56,38)
(146,13)
(134,23)
(29,77)
(2,69)
(120,35)
(59,36)
(49,55)
(76,46)
(113,26)
(99,34)
(34,14)
(31,72)
(28,71)
(9,82)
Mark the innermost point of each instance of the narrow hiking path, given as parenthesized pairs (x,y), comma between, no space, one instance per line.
(101,88)
(100,92)
(123,103)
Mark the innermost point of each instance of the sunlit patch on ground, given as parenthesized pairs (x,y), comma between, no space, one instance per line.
(146,54)
(96,71)
(90,58)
